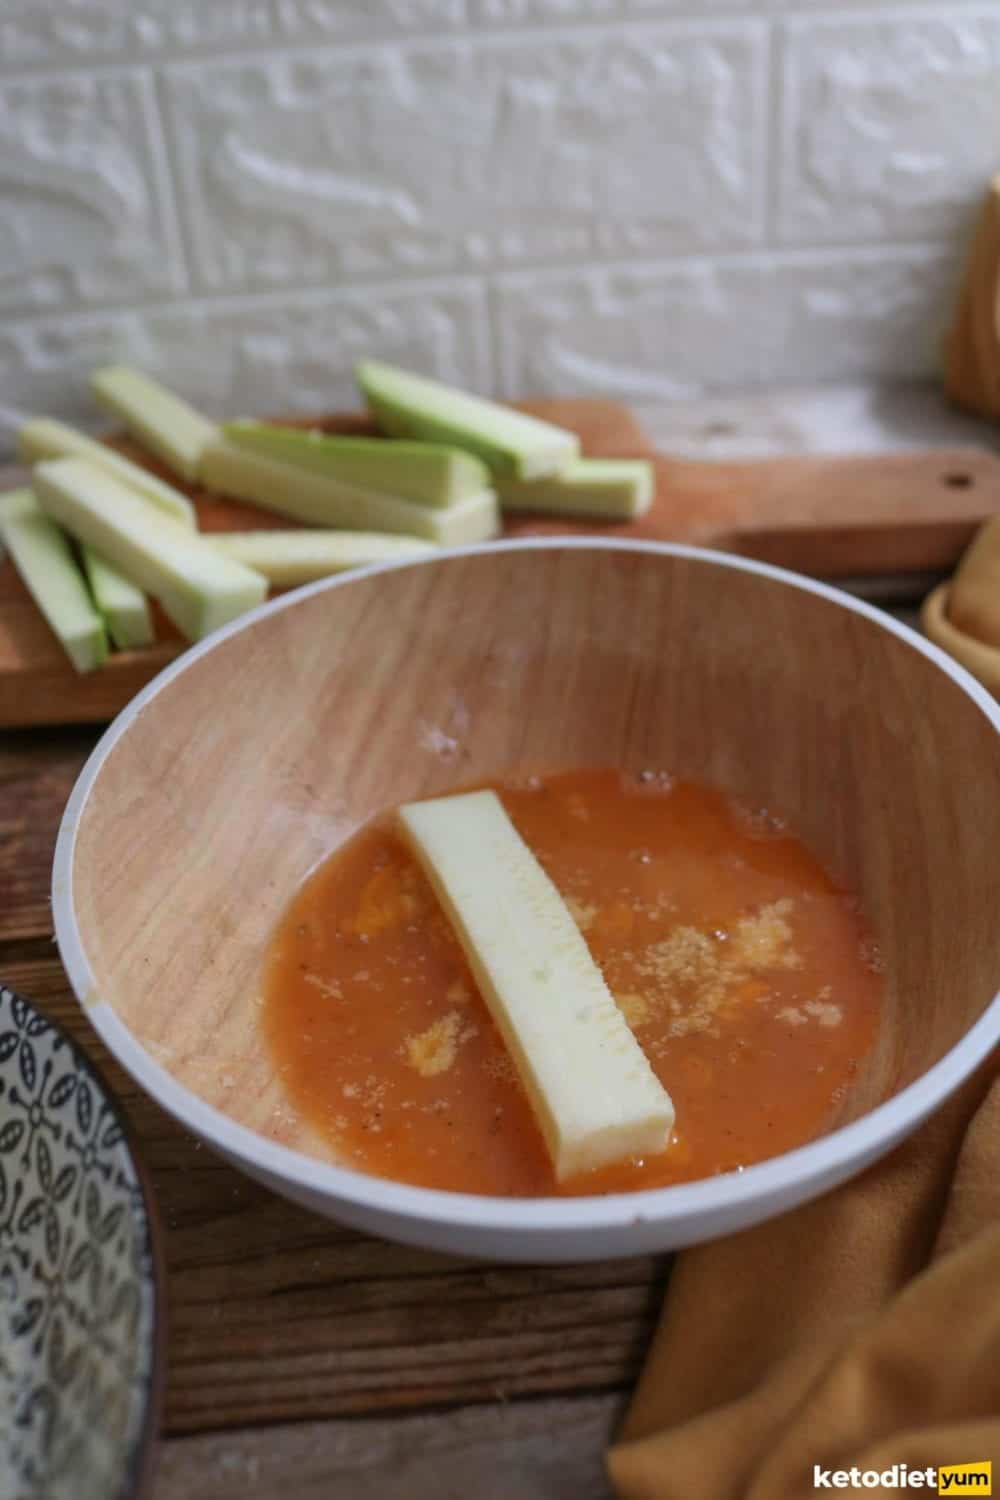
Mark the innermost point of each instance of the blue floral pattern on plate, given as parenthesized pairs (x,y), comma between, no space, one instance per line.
(78,1289)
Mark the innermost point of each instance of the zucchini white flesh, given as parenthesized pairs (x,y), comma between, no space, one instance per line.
(320,500)
(609,489)
(198,588)
(288,558)
(163,422)
(595,1096)
(431,473)
(123,607)
(43,438)
(43,557)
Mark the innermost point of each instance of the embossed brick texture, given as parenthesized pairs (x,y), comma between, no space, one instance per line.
(85,215)
(891,126)
(90,31)
(637,197)
(453,156)
(664,332)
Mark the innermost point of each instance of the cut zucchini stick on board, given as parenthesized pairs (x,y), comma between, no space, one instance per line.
(43,438)
(321,500)
(161,421)
(17,503)
(594,1094)
(615,489)
(198,587)
(507,441)
(431,473)
(288,558)
(123,607)
(42,556)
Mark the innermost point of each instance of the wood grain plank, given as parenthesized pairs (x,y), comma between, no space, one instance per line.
(278,1315)
(537,1450)
(37,772)
(840,550)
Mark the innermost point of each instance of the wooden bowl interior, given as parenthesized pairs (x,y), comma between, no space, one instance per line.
(262,755)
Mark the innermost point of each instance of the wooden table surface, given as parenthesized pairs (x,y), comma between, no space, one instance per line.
(306,1360)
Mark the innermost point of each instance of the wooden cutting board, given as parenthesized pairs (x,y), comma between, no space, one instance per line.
(884,514)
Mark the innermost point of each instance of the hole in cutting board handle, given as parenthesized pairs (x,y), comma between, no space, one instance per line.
(958,481)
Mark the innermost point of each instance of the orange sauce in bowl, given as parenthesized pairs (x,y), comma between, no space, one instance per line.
(747,976)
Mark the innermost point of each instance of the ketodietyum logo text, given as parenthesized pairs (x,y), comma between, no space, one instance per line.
(950,1479)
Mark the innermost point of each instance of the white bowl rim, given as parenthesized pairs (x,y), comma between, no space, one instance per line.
(790,1176)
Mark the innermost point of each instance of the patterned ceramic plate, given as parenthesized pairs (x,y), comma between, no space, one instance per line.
(80,1330)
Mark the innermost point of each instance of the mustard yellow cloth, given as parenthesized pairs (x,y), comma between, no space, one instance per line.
(963,616)
(860,1330)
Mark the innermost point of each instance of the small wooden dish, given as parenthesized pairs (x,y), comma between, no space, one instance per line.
(222,785)
(975,656)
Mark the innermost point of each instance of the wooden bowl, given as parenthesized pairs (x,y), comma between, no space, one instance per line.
(221,786)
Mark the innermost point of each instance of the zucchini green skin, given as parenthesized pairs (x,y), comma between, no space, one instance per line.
(508,442)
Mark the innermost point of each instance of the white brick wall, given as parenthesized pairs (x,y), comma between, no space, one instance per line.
(639,197)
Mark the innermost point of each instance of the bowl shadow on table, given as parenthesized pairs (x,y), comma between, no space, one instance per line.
(244,769)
